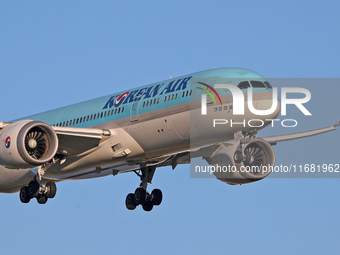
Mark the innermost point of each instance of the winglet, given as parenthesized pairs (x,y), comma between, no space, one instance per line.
(337,123)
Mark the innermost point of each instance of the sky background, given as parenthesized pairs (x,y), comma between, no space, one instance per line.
(56,53)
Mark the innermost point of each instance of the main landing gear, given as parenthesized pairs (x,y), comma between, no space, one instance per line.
(35,189)
(141,196)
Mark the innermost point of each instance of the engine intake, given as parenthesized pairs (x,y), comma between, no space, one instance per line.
(257,164)
(27,144)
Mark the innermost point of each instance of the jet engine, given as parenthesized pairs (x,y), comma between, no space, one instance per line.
(26,144)
(232,166)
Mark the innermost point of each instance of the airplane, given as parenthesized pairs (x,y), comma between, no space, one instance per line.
(139,130)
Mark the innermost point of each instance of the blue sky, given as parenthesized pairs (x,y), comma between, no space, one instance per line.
(55,53)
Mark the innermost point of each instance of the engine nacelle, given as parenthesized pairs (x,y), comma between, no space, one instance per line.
(258,163)
(27,143)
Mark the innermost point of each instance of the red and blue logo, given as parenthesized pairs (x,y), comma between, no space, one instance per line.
(8,142)
(121,99)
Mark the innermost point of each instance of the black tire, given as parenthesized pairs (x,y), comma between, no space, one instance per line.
(130,202)
(147,206)
(238,157)
(157,196)
(140,196)
(24,197)
(42,199)
(33,189)
(52,189)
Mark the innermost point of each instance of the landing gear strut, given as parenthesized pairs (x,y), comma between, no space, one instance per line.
(141,196)
(38,191)
(243,155)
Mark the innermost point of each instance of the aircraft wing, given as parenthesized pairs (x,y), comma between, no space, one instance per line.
(4,124)
(272,140)
(92,137)
(77,140)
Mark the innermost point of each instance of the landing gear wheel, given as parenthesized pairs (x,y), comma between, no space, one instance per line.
(33,189)
(157,196)
(42,199)
(24,197)
(147,206)
(130,202)
(238,157)
(52,189)
(140,196)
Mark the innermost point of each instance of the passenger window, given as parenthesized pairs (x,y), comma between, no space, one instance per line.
(101,115)
(172,97)
(154,101)
(77,120)
(243,85)
(143,103)
(147,103)
(165,99)
(118,110)
(157,100)
(257,84)
(122,109)
(80,120)
(187,93)
(183,93)
(176,96)
(104,114)
(150,102)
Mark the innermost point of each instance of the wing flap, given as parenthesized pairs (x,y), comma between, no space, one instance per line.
(77,140)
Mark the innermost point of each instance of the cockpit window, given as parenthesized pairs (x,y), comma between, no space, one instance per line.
(257,84)
(268,85)
(243,85)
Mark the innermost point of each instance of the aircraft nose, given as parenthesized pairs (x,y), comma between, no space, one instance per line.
(265,102)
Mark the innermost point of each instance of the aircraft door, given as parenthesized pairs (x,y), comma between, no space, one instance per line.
(134,108)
